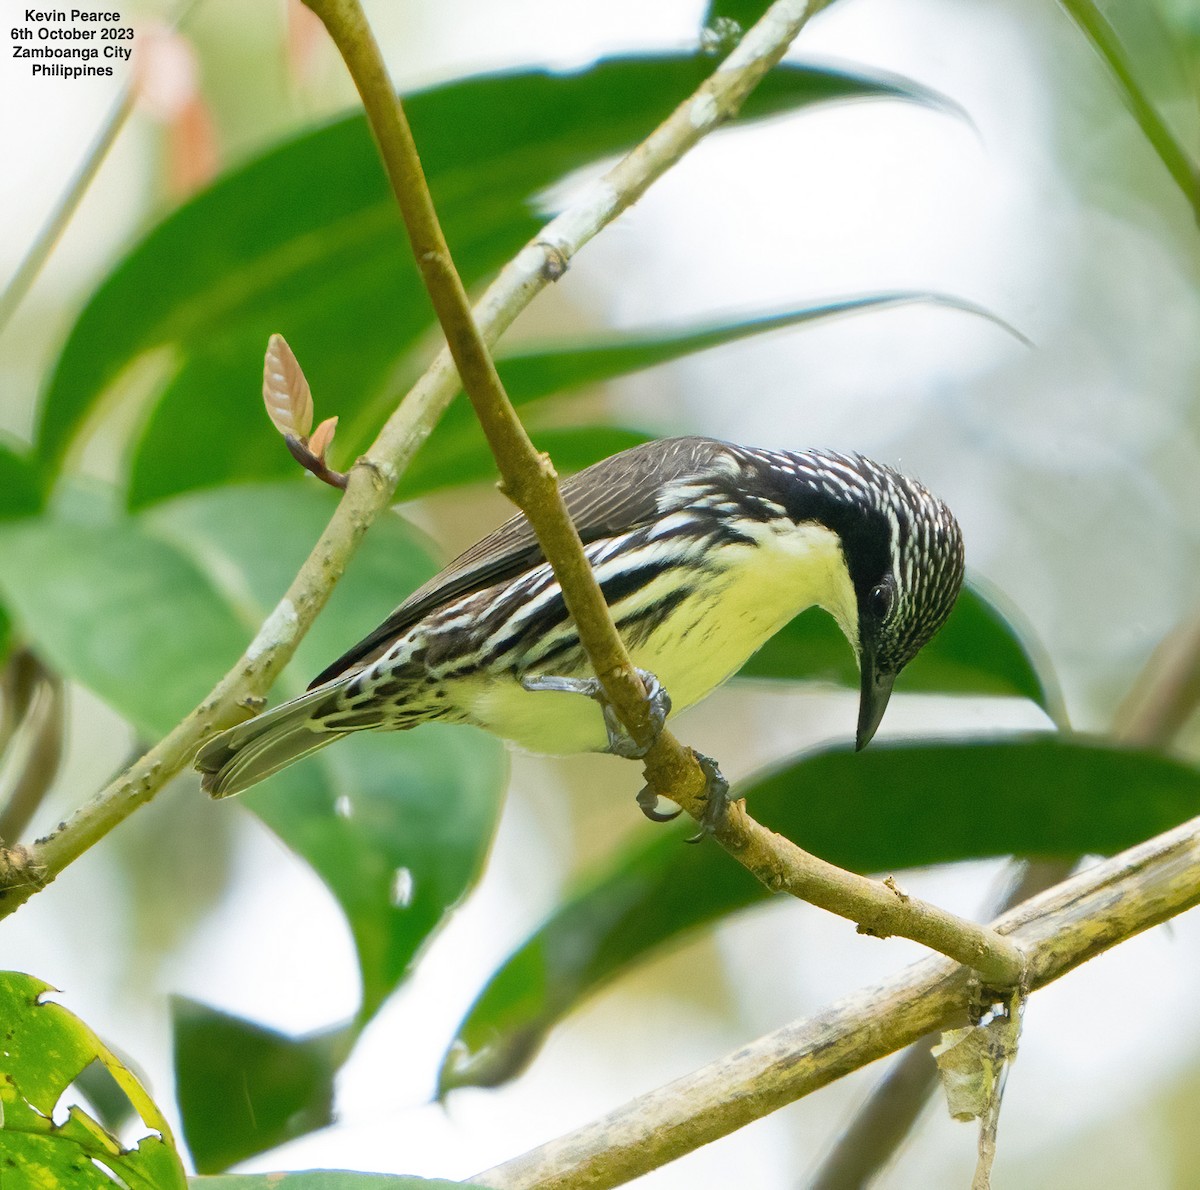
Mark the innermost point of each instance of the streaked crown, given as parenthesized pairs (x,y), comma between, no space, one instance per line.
(902,545)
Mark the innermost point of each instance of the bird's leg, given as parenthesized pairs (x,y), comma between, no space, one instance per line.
(620,742)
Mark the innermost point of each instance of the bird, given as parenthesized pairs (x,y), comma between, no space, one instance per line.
(703,550)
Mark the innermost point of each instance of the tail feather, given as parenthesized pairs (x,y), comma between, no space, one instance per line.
(252,751)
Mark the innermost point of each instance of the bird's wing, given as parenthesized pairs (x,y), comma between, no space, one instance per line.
(609,497)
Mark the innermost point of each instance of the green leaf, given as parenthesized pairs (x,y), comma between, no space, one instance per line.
(327,1179)
(1151,75)
(533,374)
(374,806)
(129,616)
(398,826)
(891,807)
(978,651)
(456,451)
(45,1048)
(284,1086)
(20,492)
(266,250)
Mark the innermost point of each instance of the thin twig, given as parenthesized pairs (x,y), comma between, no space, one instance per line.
(43,730)
(52,230)
(374,477)
(530,481)
(1071,923)
(64,211)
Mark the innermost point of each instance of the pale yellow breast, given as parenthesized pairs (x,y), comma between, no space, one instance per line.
(704,641)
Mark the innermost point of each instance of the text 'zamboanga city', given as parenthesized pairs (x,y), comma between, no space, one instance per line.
(63,37)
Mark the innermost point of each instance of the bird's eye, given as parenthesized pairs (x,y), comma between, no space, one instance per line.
(881,599)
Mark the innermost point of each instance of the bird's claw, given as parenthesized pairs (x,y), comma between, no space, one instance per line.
(716,797)
(620,742)
(716,800)
(647,802)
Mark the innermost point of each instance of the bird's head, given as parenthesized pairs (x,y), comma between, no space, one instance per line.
(903,554)
(905,558)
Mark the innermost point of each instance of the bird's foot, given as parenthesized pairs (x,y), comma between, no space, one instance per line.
(716,799)
(648,800)
(620,742)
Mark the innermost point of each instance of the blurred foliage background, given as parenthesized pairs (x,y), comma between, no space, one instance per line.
(422,912)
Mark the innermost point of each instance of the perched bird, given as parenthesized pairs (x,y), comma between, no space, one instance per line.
(703,550)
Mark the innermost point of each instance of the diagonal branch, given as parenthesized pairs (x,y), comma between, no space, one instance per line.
(374,477)
(1071,923)
(1161,700)
(529,480)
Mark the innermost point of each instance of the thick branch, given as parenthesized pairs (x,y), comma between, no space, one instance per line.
(1066,926)
(530,481)
(374,477)
(1162,699)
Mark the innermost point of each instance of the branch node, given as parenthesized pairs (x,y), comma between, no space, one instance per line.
(311,462)
(555,262)
(870,930)
(901,895)
(384,475)
(19,869)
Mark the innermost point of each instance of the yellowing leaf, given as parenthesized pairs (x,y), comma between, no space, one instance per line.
(44,1050)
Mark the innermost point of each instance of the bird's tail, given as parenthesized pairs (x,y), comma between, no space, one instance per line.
(252,751)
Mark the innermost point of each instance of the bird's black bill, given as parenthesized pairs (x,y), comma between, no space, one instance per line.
(872,702)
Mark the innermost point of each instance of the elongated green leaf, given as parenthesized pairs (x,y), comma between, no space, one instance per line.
(327,1179)
(456,451)
(397,825)
(129,616)
(1151,77)
(285,1086)
(376,814)
(888,808)
(306,240)
(45,1048)
(978,651)
(464,456)
(532,374)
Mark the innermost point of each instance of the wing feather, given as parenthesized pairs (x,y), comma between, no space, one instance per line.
(609,497)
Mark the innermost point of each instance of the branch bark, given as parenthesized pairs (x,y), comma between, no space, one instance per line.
(1161,700)
(529,480)
(1058,930)
(375,475)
